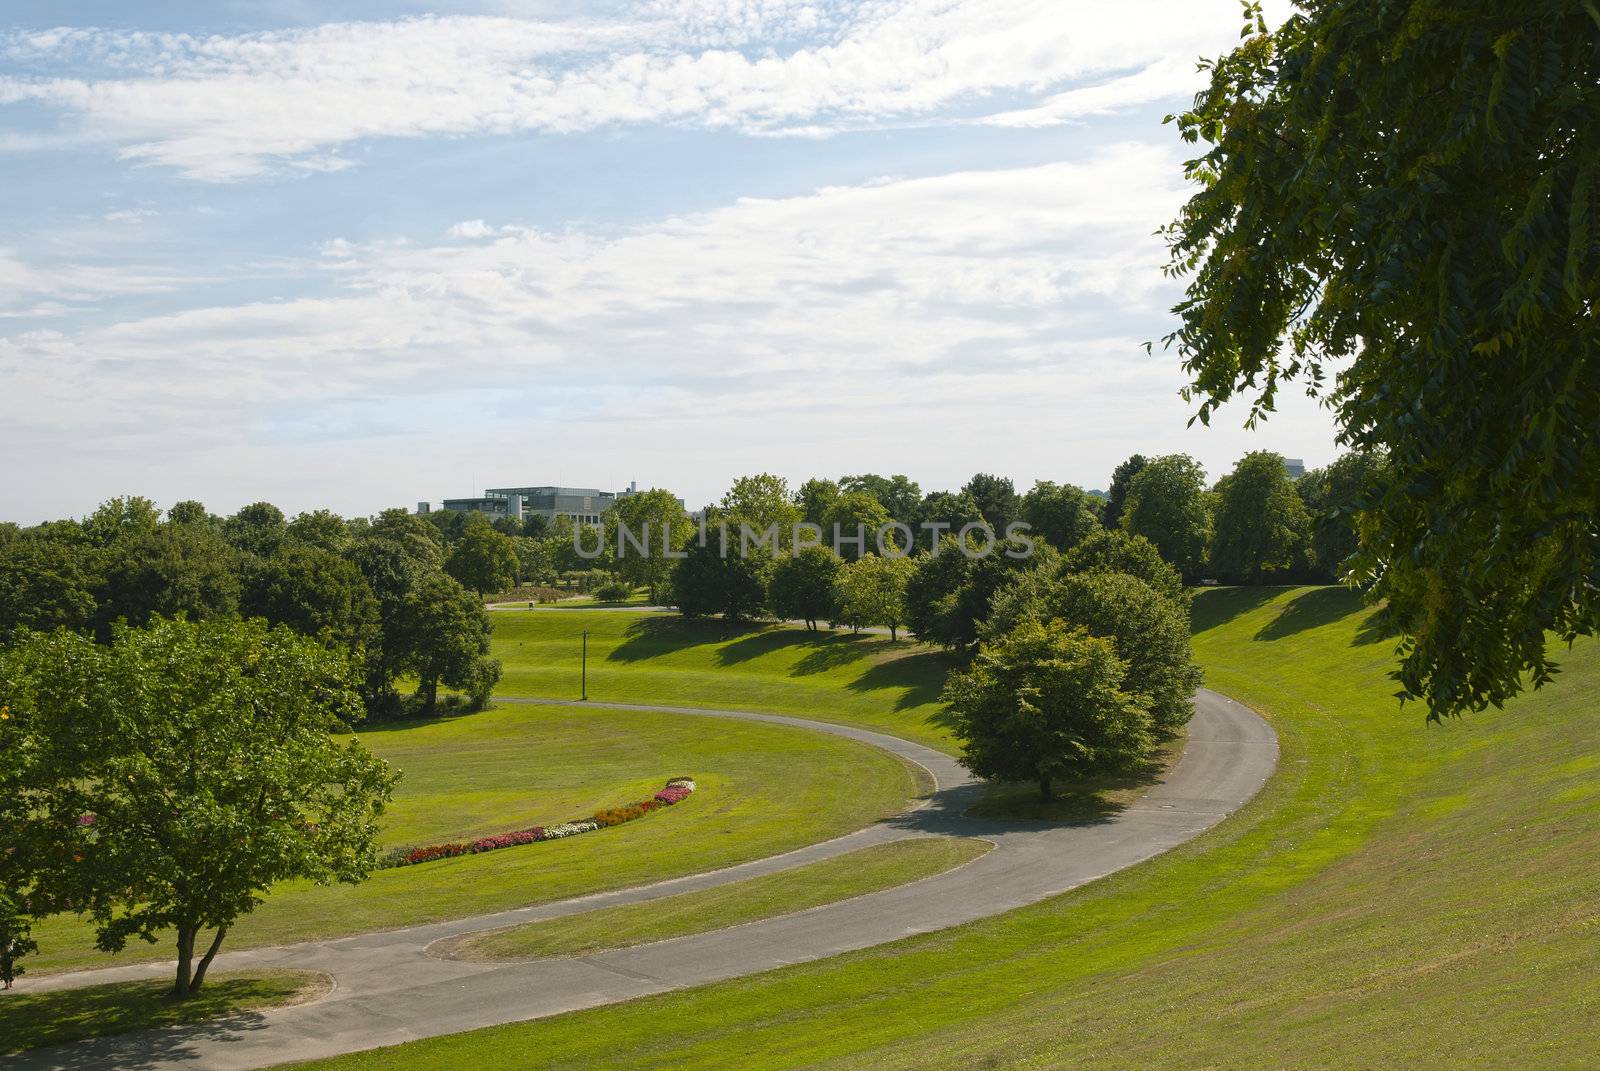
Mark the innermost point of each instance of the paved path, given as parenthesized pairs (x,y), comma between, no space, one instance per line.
(390,990)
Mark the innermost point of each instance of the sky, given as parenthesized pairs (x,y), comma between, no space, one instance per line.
(354,255)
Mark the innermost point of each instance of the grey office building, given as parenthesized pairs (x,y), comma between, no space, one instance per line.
(585,505)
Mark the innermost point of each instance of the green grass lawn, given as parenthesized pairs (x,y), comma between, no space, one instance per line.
(34,1020)
(1400,895)
(867,870)
(763,789)
(862,680)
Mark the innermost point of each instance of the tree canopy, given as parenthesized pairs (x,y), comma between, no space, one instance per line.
(1262,525)
(1167,504)
(1400,207)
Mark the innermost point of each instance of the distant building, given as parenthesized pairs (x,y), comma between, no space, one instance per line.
(584,505)
(1295,467)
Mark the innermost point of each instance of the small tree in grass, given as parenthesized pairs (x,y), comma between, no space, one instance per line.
(1045,703)
(16,940)
(185,769)
(872,591)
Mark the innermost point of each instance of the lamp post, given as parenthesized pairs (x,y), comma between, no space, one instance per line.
(585,665)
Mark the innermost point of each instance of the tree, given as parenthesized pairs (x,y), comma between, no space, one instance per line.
(1407,201)
(708,582)
(44,584)
(898,495)
(855,515)
(1061,514)
(996,499)
(1261,524)
(320,528)
(871,591)
(946,514)
(190,512)
(444,639)
(16,937)
(950,593)
(119,518)
(256,529)
(1167,505)
(761,501)
(814,498)
(1336,497)
(483,559)
(312,591)
(802,587)
(168,570)
(185,769)
(1150,632)
(1119,552)
(1117,493)
(660,524)
(1045,703)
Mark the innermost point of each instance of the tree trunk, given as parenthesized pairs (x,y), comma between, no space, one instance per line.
(211,954)
(186,935)
(429,687)
(1046,792)
(894,633)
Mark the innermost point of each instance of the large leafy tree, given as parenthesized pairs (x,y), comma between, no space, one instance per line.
(761,501)
(801,587)
(857,517)
(946,513)
(258,528)
(1046,703)
(484,558)
(814,497)
(1262,526)
(1168,505)
(707,581)
(312,591)
(1150,632)
(168,569)
(1117,493)
(872,592)
(899,495)
(1061,513)
(1400,205)
(176,775)
(660,524)
(45,583)
(996,498)
(951,593)
(1119,552)
(443,633)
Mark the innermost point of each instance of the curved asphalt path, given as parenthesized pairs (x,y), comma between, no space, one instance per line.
(390,989)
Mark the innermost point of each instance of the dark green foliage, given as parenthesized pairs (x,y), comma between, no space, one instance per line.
(258,528)
(706,582)
(168,570)
(44,584)
(1043,703)
(1062,514)
(1119,552)
(855,515)
(1117,494)
(950,594)
(443,636)
(483,558)
(1168,505)
(16,937)
(953,511)
(190,512)
(175,775)
(1150,632)
(614,591)
(996,499)
(320,528)
(1261,523)
(1406,198)
(801,588)
(312,590)
(814,498)
(1335,497)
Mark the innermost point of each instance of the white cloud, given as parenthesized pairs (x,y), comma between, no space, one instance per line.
(983,291)
(225,107)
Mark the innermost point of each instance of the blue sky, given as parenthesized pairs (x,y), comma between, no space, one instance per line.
(358,254)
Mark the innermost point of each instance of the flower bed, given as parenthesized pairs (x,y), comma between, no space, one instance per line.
(676,791)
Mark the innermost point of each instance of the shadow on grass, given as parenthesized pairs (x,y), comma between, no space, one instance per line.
(921,675)
(1085,802)
(1313,609)
(651,637)
(97,1022)
(1213,607)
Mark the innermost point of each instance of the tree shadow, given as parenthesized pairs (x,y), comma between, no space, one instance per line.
(141,1048)
(1313,609)
(921,675)
(1213,607)
(651,637)
(834,651)
(1375,628)
(1088,801)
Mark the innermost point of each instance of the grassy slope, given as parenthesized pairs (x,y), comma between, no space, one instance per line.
(828,881)
(763,789)
(34,1020)
(1399,896)
(658,658)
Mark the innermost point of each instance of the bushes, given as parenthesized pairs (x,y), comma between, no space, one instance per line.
(676,790)
(614,591)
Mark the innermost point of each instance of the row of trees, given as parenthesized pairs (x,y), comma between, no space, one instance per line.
(388,591)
